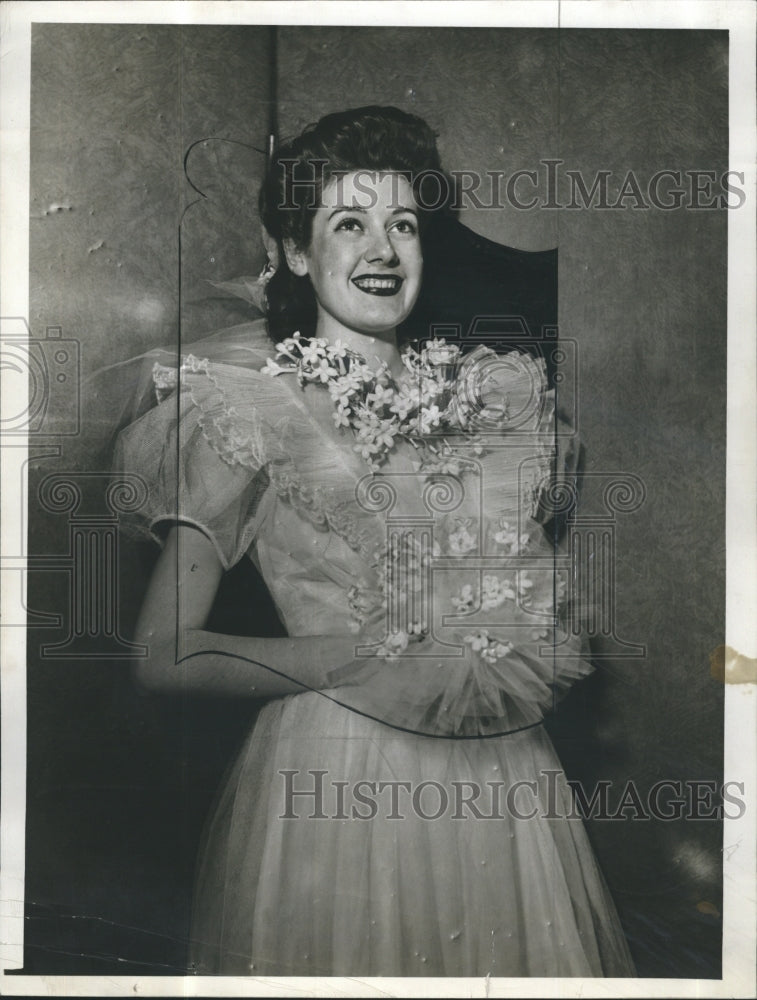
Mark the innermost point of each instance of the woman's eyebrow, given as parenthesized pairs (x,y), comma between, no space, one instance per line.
(347,208)
(399,210)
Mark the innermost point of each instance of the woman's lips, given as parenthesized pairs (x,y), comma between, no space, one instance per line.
(378,284)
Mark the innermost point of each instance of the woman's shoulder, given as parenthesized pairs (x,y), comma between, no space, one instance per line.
(215,385)
(245,345)
(232,361)
(242,407)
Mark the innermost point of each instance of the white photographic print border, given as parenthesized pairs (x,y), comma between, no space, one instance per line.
(739,928)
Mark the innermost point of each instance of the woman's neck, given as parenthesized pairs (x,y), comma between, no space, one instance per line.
(375,350)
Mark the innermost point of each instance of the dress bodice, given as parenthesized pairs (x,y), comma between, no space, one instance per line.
(442,536)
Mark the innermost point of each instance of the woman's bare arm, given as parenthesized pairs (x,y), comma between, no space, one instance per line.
(182,656)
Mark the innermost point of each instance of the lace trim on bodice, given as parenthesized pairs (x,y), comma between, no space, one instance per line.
(254,443)
(236,445)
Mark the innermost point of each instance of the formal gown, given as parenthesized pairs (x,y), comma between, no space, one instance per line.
(410,817)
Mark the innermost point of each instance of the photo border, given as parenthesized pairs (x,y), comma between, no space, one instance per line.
(740,835)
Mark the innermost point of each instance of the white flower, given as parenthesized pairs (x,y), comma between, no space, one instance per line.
(490,650)
(496,651)
(430,417)
(290,347)
(271,368)
(393,646)
(461,540)
(343,388)
(313,351)
(342,416)
(386,434)
(509,538)
(402,404)
(478,641)
(506,534)
(381,396)
(194,364)
(465,600)
(430,391)
(375,436)
(323,370)
(492,594)
(442,464)
(411,359)
(401,566)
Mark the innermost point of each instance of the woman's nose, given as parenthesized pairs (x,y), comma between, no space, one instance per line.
(381,250)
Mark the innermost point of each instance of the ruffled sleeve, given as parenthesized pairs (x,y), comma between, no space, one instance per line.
(192,470)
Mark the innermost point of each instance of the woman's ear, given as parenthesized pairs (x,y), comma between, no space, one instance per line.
(296,259)
(271,247)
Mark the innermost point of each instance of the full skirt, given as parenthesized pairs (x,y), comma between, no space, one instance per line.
(341,846)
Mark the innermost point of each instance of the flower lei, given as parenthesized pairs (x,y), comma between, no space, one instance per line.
(380,408)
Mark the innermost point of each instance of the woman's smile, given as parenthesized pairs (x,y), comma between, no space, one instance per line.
(376,284)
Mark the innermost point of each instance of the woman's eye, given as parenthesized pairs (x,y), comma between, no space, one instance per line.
(405,226)
(348,225)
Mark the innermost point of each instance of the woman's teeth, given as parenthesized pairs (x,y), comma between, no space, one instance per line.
(379,286)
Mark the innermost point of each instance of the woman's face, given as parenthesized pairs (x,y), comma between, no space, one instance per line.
(364,258)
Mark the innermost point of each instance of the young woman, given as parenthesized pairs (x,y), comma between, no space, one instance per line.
(397,809)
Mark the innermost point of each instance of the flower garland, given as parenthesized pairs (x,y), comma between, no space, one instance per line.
(380,408)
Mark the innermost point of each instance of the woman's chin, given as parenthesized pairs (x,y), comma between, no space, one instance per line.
(378,328)
(376,316)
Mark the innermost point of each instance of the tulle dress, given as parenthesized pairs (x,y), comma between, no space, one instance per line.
(410,818)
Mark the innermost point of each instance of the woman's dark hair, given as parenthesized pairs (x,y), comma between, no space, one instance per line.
(370,138)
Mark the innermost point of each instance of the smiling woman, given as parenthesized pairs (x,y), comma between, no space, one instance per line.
(364,261)
(388,496)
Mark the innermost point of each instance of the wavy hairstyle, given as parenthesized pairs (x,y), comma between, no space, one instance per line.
(370,138)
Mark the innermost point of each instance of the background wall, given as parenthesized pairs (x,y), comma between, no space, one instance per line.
(125,781)
(118,784)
